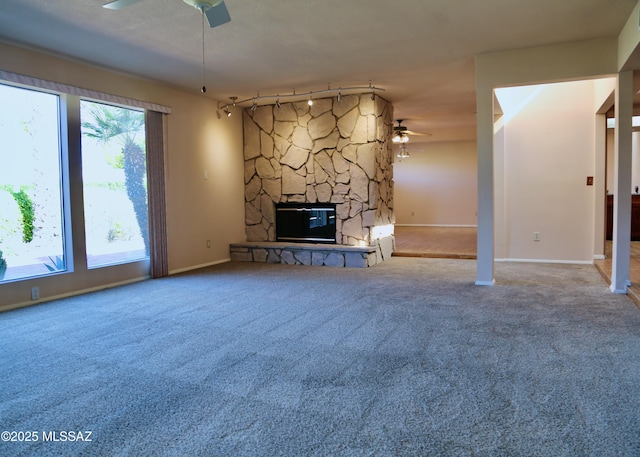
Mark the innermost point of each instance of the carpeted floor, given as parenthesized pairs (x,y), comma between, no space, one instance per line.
(407,358)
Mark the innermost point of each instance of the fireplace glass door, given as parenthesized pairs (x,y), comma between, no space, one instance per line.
(306,222)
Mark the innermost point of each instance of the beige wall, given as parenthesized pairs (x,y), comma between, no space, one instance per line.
(196,140)
(543,64)
(437,185)
(549,150)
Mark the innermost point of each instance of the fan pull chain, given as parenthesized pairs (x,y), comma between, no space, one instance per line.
(204,88)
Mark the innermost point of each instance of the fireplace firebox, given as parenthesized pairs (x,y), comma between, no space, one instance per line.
(306,222)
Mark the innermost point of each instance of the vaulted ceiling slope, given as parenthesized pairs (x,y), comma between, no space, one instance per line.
(420,51)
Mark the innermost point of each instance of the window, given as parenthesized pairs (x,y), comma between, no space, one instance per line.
(45,173)
(114,184)
(31,212)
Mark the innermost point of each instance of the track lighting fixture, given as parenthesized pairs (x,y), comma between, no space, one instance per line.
(225,108)
(352,90)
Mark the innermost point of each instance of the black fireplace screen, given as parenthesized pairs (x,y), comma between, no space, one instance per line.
(306,222)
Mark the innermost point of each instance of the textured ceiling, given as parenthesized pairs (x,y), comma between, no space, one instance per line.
(420,51)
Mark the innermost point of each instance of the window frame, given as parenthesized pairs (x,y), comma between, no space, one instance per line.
(71,182)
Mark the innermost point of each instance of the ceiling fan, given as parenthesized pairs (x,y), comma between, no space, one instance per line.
(401,133)
(215,10)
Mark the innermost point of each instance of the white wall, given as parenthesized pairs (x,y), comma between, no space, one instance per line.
(549,150)
(437,185)
(196,140)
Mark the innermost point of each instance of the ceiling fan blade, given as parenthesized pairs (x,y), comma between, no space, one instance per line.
(119,4)
(217,15)
(411,132)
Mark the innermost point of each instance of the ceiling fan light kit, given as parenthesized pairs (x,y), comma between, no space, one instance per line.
(403,153)
(400,133)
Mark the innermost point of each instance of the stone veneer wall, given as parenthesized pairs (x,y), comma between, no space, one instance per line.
(333,151)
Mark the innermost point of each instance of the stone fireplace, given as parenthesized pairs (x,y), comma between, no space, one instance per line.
(335,151)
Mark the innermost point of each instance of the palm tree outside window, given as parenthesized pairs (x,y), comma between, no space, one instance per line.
(115,184)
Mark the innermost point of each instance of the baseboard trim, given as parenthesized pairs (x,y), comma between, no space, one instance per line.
(88,290)
(437,225)
(565,262)
(599,257)
(197,267)
(486,283)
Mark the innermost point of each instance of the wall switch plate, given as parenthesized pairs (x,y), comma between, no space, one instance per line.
(208,243)
(35,293)
(589,180)
(205,175)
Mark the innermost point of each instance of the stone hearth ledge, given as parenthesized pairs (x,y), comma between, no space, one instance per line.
(333,255)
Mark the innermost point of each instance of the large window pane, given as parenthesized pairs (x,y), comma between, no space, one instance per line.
(114,176)
(31,227)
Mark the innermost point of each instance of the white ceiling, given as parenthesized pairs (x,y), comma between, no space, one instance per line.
(420,51)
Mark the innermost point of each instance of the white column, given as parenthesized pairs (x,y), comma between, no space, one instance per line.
(484,265)
(622,184)
(600,204)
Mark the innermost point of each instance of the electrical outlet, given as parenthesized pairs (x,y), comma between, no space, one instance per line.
(35,293)
(536,236)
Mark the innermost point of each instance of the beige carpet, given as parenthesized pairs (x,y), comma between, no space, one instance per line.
(436,242)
